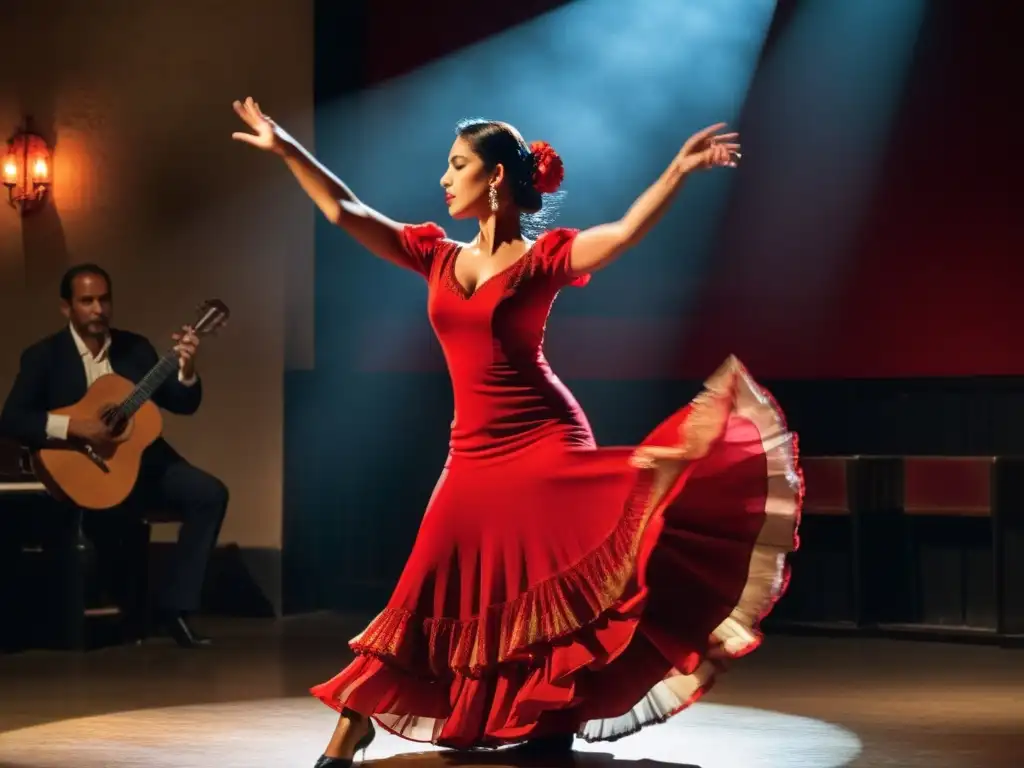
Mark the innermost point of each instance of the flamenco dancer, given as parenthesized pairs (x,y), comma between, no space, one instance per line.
(556,589)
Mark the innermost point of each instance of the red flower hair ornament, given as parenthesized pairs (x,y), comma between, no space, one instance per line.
(548,170)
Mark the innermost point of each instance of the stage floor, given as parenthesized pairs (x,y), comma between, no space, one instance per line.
(795,703)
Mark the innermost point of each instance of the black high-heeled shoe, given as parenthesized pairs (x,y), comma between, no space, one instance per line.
(346,762)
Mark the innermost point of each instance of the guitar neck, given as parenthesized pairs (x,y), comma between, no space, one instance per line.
(144,390)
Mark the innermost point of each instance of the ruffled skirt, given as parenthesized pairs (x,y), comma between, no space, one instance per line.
(586,591)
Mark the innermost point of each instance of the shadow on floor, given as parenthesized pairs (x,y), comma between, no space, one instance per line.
(509,759)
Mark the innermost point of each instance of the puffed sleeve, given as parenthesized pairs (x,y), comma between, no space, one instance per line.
(420,243)
(553,258)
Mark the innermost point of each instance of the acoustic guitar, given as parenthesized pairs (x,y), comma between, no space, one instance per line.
(102,476)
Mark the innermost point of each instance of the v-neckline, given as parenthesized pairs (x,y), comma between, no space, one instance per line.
(463,292)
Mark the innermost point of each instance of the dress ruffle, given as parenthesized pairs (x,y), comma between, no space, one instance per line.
(633,632)
(509,632)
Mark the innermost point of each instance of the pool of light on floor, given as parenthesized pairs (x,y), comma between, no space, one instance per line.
(280,733)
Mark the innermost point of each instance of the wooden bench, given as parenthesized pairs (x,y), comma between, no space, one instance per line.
(935,545)
(948,507)
(826,549)
(57,590)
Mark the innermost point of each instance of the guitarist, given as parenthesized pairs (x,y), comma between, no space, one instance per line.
(56,372)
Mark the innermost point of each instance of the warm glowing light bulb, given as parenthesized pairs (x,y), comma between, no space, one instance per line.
(10,170)
(40,169)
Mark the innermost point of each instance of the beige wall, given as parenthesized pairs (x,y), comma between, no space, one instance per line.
(148,183)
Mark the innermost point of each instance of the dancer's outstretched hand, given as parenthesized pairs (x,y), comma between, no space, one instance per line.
(710,148)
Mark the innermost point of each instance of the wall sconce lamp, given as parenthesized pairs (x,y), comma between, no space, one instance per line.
(27,170)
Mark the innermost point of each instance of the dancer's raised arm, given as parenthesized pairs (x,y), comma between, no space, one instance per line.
(376,232)
(598,246)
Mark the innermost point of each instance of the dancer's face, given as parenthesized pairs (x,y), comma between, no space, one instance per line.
(466,182)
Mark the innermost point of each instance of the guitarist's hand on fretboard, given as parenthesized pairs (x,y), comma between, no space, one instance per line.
(186,344)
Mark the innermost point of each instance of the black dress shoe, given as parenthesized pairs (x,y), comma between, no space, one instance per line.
(180,631)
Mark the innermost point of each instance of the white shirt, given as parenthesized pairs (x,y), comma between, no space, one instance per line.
(95,366)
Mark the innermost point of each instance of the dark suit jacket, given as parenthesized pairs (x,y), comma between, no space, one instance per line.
(52,375)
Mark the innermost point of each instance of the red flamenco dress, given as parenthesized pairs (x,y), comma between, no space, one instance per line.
(554,587)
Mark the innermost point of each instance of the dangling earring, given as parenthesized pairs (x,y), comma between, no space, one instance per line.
(492,197)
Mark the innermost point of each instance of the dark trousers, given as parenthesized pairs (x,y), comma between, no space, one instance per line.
(174,490)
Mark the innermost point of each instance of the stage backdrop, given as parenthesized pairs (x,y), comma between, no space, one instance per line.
(871,231)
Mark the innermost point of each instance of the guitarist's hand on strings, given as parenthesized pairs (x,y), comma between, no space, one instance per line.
(187,344)
(96,432)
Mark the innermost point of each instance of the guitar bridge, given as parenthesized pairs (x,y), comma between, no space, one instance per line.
(96,459)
